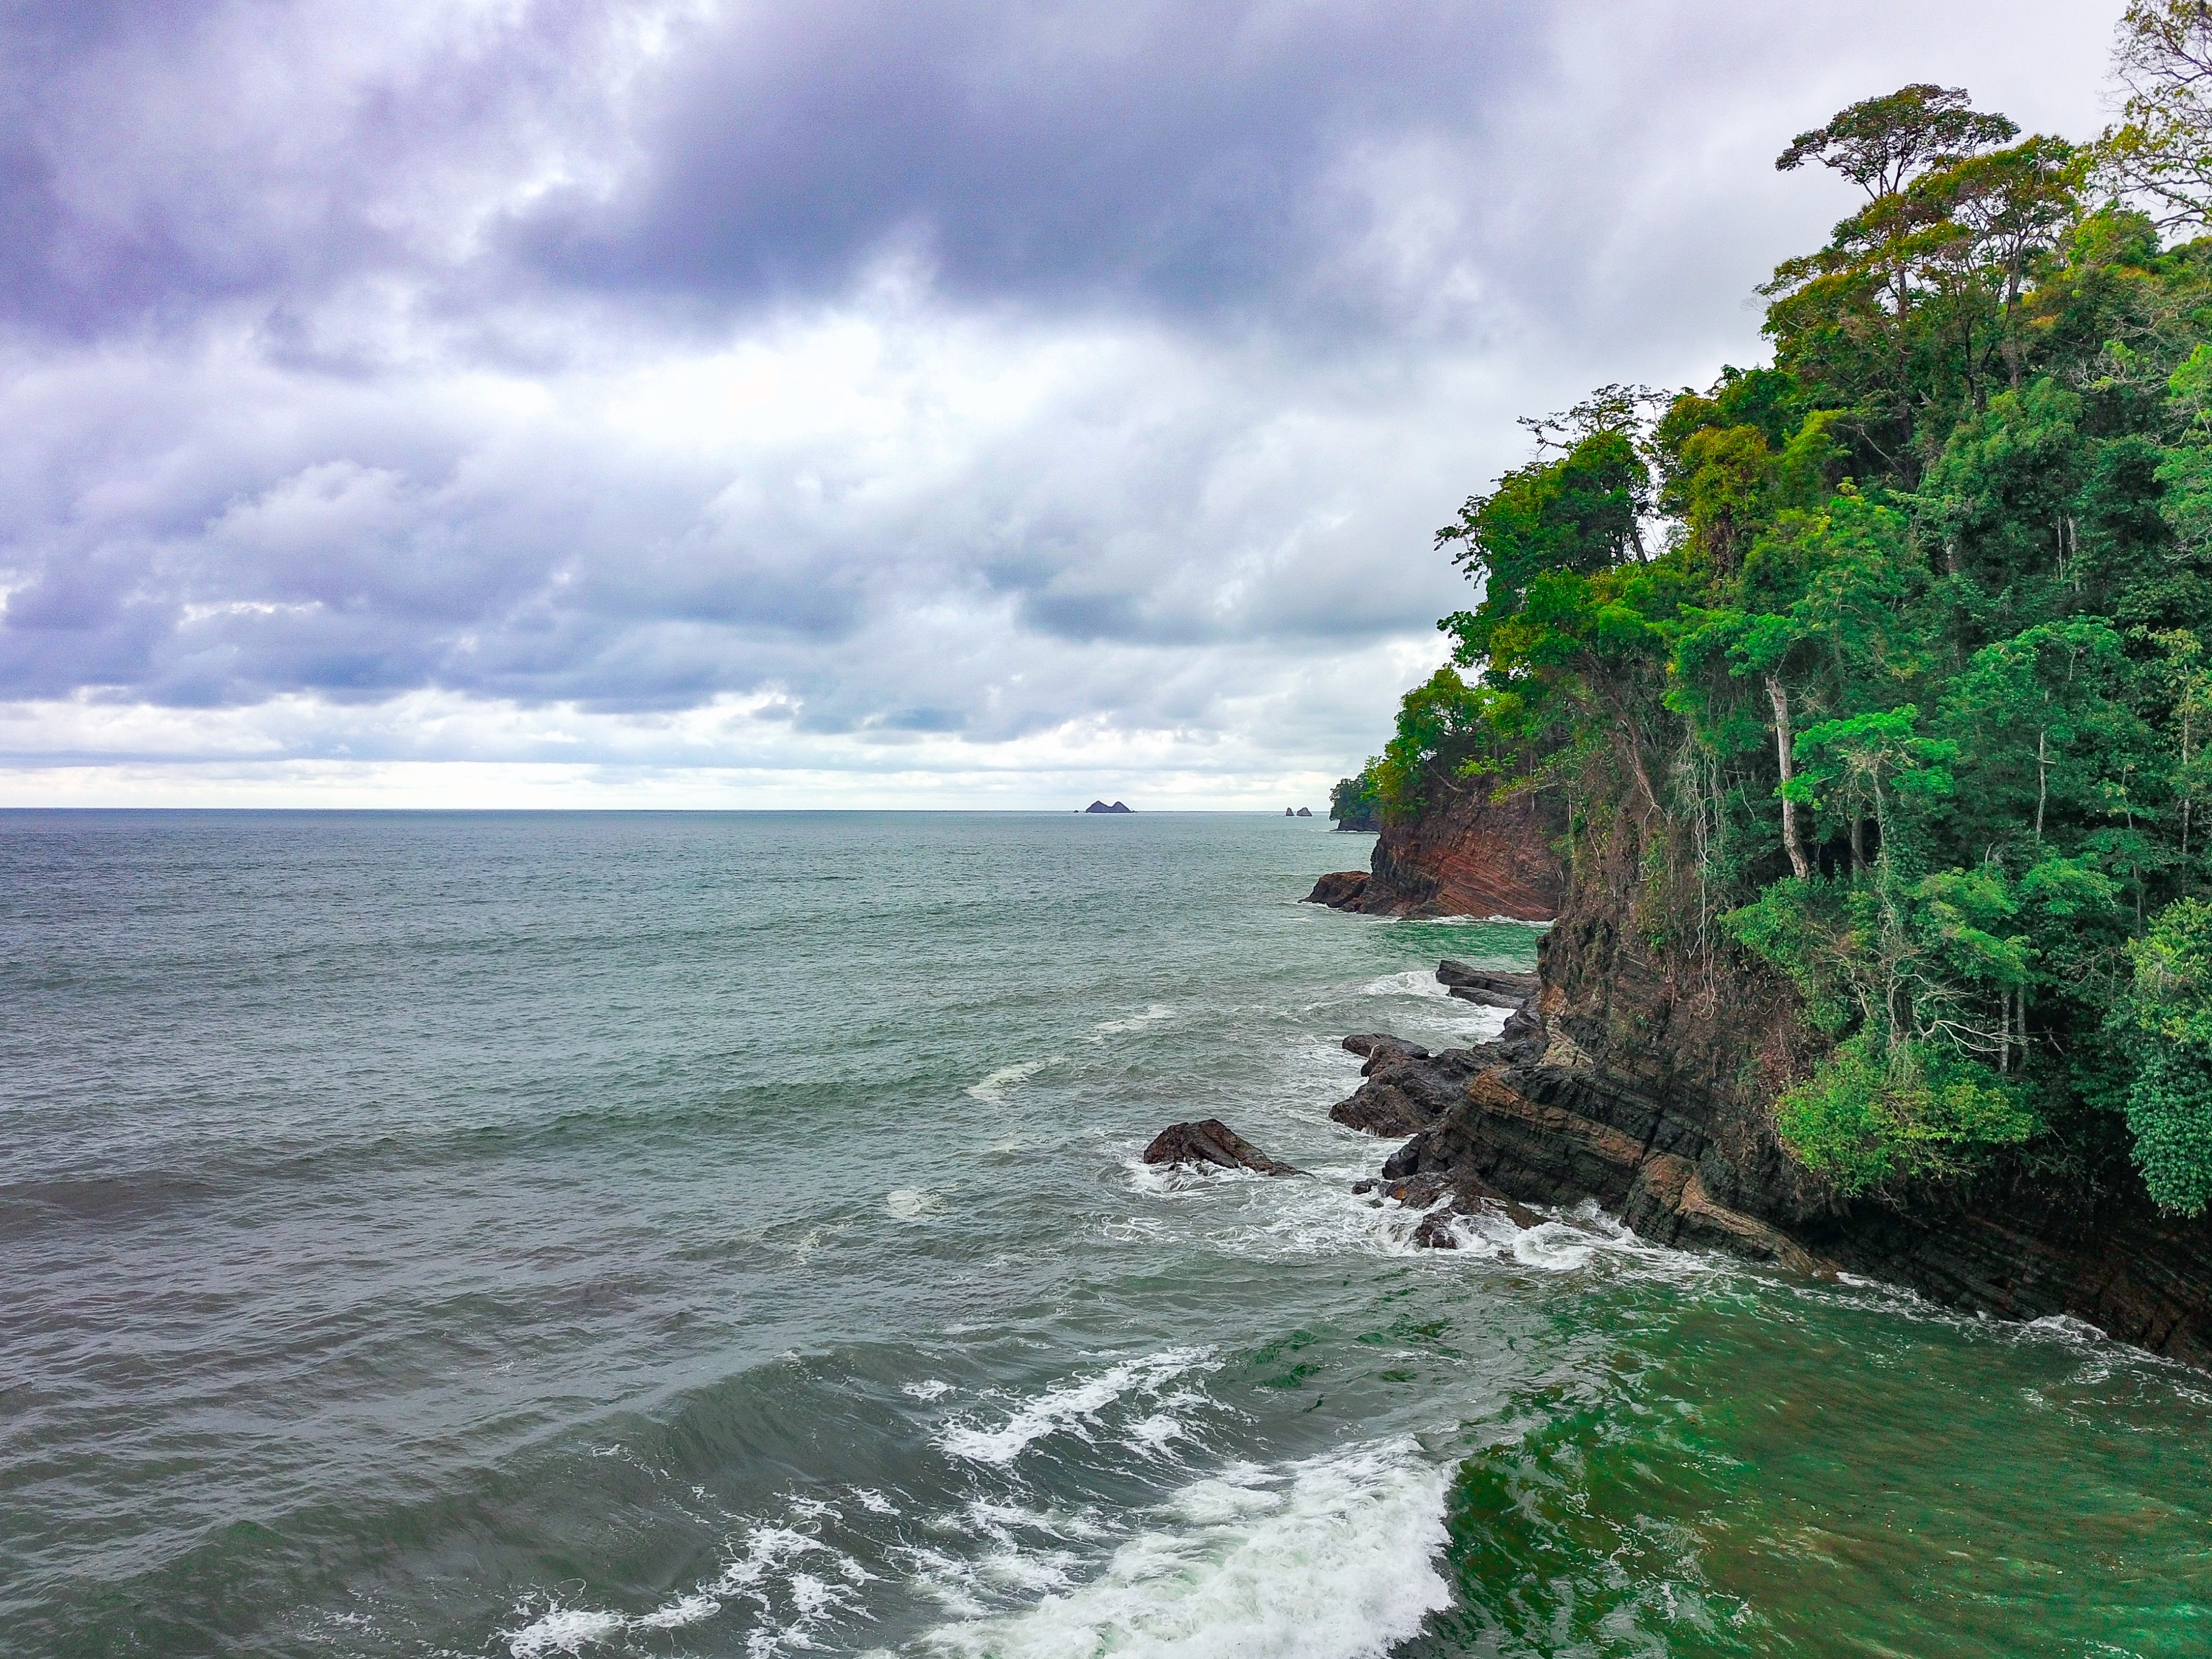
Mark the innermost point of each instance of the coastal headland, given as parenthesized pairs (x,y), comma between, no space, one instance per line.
(1620,1077)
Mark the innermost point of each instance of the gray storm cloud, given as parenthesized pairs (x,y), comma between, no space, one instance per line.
(906,377)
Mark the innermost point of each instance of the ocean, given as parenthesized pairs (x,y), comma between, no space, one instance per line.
(723,1234)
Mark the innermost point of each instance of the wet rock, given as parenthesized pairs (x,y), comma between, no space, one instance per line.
(1470,856)
(1491,988)
(1522,1041)
(1339,891)
(1448,1201)
(1407,1087)
(1366,1043)
(1209,1140)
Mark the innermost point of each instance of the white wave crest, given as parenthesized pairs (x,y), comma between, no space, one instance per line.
(571,1630)
(1413,983)
(1333,1557)
(1478,921)
(1069,1407)
(790,1602)
(995,1087)
(1152,1016)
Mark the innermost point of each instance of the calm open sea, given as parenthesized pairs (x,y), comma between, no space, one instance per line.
(723,1234)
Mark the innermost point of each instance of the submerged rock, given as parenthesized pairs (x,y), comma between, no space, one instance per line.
(1447,1200)
(1209,1140)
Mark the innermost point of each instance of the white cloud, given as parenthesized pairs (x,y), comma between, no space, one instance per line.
(341,484)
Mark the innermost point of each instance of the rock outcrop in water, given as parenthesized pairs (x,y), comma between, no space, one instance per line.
(1470,856)
(1101,806)
(1209,1140)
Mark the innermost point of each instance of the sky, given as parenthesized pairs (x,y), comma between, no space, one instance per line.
(549,403)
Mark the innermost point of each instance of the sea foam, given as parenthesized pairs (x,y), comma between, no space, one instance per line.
(1332,1558)
(994,1088)
(790,1601)
(1071,1406)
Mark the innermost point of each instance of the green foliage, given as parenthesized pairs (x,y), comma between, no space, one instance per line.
(1356,803)
(1443,733)
(1891,652)
(1575,515)
(1866,1119)
(1795,925)
(2168,1011)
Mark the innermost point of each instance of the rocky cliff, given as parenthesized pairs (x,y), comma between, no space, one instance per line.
(1469,855)
(1644,1075)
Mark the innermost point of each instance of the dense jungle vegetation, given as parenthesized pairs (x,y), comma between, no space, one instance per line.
(1893,655)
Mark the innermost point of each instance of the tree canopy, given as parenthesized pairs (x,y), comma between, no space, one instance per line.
(1893,651)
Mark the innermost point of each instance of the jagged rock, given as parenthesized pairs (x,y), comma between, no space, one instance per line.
(1209,1140)
(1406,1088)
(1647,1081)
(1522,1039)
(1488,986)
(1366,1043)
(1447,1201)
(1305,812)
(1339,890)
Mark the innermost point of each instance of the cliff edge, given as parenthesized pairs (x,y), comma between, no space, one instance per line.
(1473,855)
(1646,1078)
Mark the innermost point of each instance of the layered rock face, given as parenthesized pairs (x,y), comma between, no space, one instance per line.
(1468,855)
(1647,1082)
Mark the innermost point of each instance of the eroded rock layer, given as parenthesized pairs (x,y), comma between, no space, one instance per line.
(1470,856)
(1652,1097)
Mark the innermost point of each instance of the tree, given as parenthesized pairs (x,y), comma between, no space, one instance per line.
(1976,481)
(1356,803)
(2159,153)
(1582,512)
(2168,1011)
(1880,143)
(1888,318)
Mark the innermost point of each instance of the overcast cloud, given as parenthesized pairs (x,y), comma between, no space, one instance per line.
(830,403)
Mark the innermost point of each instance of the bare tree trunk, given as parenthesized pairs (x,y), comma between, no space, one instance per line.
(2187,711)
(1780,698)
(2042,778)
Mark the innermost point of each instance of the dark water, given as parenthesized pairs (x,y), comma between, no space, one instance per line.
(722,1234)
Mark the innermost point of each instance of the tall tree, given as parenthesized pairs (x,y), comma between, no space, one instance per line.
(2159,153)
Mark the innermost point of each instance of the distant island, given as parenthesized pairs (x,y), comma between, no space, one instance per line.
(1101,806)
(1302,812)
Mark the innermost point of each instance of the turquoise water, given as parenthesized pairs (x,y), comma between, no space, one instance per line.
(722,1234)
